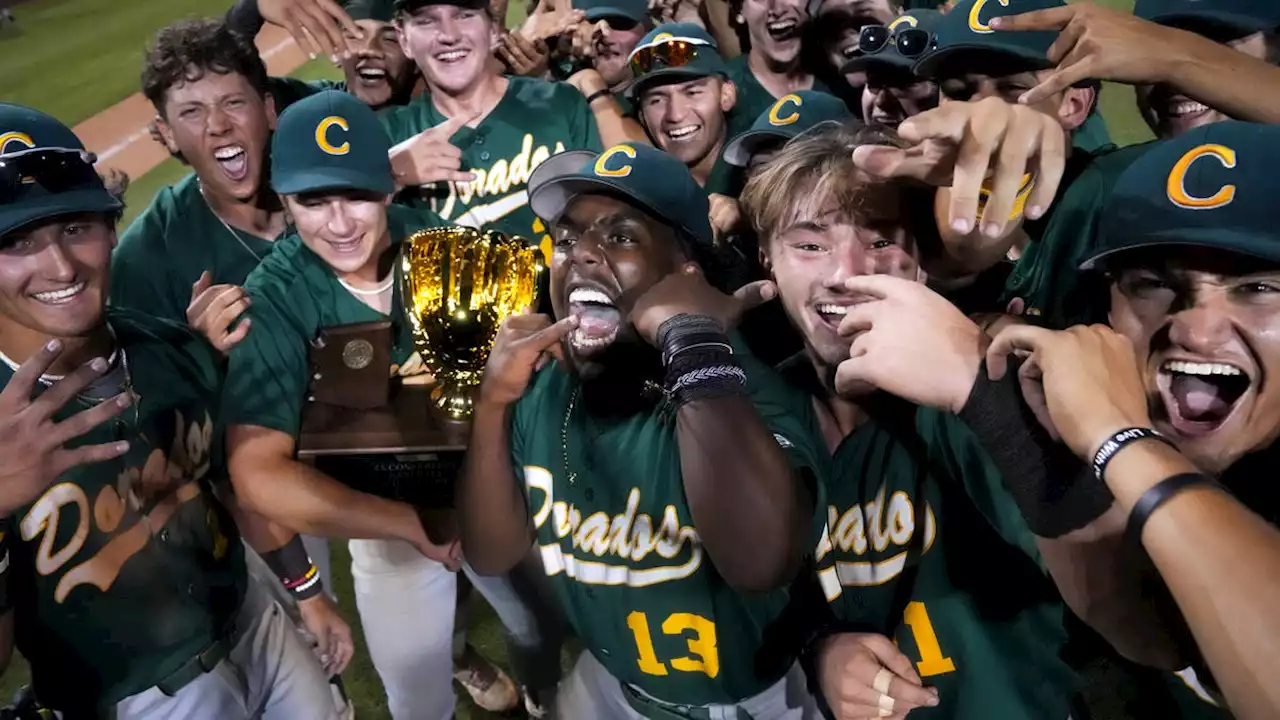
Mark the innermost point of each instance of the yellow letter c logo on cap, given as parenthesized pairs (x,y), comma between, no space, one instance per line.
(775,112)
(15,137)
(624,169)
(1177,185)
(323,141)
(903,20)
(975,22)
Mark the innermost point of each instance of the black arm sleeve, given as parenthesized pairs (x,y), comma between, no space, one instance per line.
(1055,491)
(244,19)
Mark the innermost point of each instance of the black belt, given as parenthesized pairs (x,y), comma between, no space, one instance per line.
(200,664)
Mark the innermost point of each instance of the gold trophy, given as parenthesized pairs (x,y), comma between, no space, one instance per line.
(458,285)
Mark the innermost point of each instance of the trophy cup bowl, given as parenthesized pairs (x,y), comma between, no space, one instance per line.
(458,285)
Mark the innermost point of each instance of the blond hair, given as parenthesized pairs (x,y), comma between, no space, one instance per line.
(814,173)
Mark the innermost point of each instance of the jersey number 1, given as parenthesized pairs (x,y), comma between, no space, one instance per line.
(932,661)
(705,658)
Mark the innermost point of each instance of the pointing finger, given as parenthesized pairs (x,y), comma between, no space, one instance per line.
(547,337)
(1051,19)
(1011,339)
(446,129)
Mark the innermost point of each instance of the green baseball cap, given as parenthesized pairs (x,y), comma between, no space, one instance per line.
(1212,187)
(655,181)
(596,10)
(788,117)
(380,10)
(330,141)
(890,54)
(1220,19)
(408,6)
(703,56)
(964,35)
(45,170)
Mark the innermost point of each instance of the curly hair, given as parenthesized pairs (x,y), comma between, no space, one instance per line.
(186,50)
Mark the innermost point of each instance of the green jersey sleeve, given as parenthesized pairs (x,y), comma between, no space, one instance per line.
(951,440)
(582,124)
(267,372)
(136,281)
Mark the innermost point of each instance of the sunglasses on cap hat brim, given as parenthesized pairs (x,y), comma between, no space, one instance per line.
(909,42)
(57,170)
(670,53)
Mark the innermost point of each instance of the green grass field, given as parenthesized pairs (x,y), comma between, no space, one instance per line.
(73,58)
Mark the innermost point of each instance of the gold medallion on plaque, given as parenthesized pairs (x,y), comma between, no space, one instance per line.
(357,354)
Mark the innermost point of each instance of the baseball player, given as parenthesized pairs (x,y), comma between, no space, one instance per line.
(923,629)
(617,27)
(501,128)
(791,115)
(684,99)
(774,66)
(1250,26)
(653,467)
(124,577)
(886,54)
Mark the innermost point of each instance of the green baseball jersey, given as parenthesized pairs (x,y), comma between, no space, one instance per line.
(616,536)
(1046,283)
(534,120)
(166,248)
(1093,136)
(124,570)
(295,295)
(753,98)
(924,544)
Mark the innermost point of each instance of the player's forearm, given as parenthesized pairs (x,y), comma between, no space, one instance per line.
(614,126)
(746,502)
(716,15)
(496,531)
(1225,79)
(1221,562)
(307,501)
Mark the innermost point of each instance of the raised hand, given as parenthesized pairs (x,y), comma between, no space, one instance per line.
(33,444)
(521,56)
(318,26)
(963,145)
(909,341)
(687,291)
(864,676)
(429,157)
(726,215)
(523,343)
(1083,382)
(550,19)
(1097,43)
(214,309)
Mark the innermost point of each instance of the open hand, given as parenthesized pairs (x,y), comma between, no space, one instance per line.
(318,26)
(687,291)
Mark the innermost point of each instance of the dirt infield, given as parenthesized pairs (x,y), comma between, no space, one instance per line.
(119,135)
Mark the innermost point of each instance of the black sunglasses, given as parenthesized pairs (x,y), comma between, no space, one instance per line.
(55,169)
(910,42)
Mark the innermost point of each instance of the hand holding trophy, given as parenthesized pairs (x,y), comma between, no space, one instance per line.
(458,285)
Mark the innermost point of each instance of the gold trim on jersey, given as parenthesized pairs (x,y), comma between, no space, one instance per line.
(628,537)
(498,179)
(891,524)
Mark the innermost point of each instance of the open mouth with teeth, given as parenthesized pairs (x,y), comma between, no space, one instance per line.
(683,134)
(782,29)
(371,75)
(599,320)
(451,57)
(60,297)
(831,314)
(1200,397)
(234,161)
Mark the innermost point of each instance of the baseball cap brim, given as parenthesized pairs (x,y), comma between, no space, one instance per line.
(50,205)
(596,14)
(335,178)
(1226,25)
(741,147)
(887,59)
(1021,61)
(684,73)
(408,6)
(1247,244)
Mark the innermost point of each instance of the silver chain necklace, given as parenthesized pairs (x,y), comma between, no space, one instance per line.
(229,229)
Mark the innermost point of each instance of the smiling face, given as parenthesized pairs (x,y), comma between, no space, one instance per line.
(1169,113)
(893,96)
(606,254)
(775,28)
(687,119)
(54,276)
(450,44)
(347,229)
(378,72)
(1206,327)
(613,40)
(222,127)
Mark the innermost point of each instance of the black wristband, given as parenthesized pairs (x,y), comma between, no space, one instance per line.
(1117,442)
(597,95)
(293,566)
(1157,495)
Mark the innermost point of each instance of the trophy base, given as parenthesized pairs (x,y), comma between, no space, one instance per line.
(454,398)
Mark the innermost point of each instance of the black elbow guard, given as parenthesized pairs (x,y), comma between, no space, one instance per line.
(1054,490)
